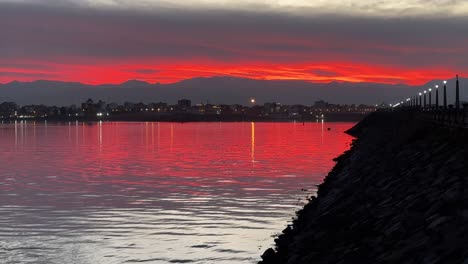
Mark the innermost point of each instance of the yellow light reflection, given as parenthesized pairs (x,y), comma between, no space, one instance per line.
(322,130)
(16,133)
(100,135)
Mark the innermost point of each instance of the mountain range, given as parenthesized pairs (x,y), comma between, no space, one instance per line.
(217,90)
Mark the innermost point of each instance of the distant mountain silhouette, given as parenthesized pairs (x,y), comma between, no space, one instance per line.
(226,90)
(135,84)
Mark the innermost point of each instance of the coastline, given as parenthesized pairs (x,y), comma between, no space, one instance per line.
(352,117)
(57,120)
(397,196)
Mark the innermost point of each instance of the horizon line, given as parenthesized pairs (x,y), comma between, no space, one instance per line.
(223,76)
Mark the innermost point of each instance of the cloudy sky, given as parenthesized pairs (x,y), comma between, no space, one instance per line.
(111,41)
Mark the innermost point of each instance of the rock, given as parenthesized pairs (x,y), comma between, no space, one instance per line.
(397,196)
(437,221)
(269,256)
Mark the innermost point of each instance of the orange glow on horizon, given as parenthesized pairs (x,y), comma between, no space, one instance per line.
(115,73)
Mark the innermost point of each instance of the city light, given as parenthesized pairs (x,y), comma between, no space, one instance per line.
(269,110)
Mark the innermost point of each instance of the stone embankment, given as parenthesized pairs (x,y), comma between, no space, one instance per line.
(399,195)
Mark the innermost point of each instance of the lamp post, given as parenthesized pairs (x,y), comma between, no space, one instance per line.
(457,96)
(420,100)
(425,92)
(445,95)
(430,97)
(457,101)
(437,96)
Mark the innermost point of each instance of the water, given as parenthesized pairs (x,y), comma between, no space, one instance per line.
(155,192)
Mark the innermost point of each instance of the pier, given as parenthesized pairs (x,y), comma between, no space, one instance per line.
(397,196)
(432,105)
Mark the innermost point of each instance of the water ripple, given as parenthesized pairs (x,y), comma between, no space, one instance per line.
(155,192)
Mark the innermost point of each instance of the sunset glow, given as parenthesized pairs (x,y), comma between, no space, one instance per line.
(106,73)
(97,42)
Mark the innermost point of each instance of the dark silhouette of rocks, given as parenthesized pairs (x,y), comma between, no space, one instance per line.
(397,196)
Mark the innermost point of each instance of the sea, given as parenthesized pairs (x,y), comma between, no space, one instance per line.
(149,192)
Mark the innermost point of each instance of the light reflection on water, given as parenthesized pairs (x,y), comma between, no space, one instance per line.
(155,192)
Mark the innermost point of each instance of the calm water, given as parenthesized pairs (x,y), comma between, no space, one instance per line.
(155,192)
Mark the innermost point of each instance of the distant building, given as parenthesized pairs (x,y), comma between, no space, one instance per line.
(272,107)
(320,104)
(91,109)
(237,108)
(88,107)
(101,105)
(160,107)
(112,107)
(129,106)
(184,104)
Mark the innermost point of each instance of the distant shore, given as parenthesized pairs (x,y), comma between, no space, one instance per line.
(397,196)
(343,117)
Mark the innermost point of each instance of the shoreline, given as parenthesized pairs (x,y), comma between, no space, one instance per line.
(11,121)
(396,196)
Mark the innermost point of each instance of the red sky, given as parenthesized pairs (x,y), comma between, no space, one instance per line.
(104,73)
(108,45)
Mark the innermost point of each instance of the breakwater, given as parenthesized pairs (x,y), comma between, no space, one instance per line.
(397,196)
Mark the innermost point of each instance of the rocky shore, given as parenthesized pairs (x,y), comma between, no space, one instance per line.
(399,195)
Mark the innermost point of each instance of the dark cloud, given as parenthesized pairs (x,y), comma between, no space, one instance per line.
(85,36)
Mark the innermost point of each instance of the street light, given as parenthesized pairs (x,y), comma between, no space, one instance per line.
(430,97)
(420,99)
(445,95)
(252,100)
(457,95)
(437,96)
(425,99)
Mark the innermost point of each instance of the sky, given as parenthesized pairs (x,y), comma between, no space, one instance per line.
(161,41)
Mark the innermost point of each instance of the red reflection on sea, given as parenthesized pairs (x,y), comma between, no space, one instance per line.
(50,163)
